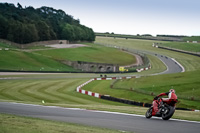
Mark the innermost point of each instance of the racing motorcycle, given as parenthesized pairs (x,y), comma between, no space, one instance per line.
(165,110)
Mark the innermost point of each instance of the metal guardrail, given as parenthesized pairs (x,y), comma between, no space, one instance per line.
(179,50)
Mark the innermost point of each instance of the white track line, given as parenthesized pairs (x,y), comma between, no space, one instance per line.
(107,112)
(183,69)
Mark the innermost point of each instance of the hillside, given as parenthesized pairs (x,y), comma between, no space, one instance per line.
(25,25)
(48,59)
(91,53)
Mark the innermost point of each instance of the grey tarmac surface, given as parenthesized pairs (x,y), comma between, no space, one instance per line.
(111,120)
(172,66)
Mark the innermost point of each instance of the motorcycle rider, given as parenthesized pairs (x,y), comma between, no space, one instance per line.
(171,97)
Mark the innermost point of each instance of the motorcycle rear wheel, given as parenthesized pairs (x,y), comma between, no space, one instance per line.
(149,113)
(169,114)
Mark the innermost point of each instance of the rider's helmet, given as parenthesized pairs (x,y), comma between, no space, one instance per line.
(172,90)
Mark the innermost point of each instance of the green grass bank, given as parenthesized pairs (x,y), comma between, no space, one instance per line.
(19,124)
(91,53)
(49,59)
(192,47)
(144,89)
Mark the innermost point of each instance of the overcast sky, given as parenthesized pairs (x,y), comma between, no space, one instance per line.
(171,17)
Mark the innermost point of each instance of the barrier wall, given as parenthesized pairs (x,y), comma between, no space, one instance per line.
(143,69)
(110,98)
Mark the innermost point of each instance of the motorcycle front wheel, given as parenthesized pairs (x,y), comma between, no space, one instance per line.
(149,113)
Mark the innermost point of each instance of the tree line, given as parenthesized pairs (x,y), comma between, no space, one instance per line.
(25,25)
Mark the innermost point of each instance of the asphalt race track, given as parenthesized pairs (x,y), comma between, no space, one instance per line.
(111,120)
(172,66)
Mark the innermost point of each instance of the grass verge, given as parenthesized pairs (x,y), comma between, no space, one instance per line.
(19,124)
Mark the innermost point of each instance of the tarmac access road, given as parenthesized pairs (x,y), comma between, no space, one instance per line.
(112,120)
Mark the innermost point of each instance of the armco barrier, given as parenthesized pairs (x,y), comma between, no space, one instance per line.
(89,93)
(97,95)
(110,98)
(179,50)
(125,101)
(114,78)
(142,69)
(78,89)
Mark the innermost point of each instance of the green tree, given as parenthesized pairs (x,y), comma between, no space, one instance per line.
(24,25)
(68,32)
(19,6)
(43,31)
(3,27)
(15,32)
(30,33)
